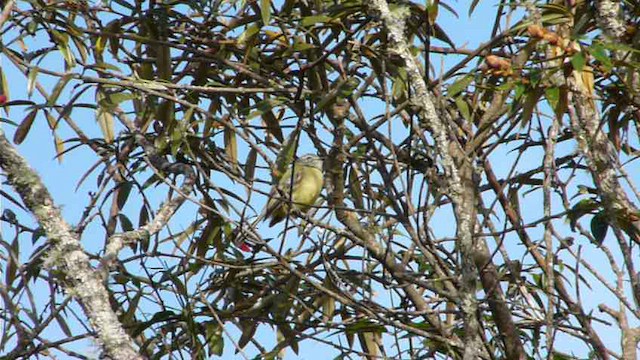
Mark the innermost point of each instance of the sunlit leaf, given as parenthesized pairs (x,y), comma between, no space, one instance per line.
(31,81)
(578,61)
(265,11)
(106,122)
(59,144)
(4,91)
(312,20)
(580,209)
(231,144)
(248,34)
(286,156)
(463,107)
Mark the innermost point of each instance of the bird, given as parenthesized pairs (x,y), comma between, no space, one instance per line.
(307,180)
(307,176)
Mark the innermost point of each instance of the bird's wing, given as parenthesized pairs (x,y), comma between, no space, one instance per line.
(281,193)
(284,186)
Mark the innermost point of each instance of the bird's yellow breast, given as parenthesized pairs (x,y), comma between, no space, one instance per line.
(310,187)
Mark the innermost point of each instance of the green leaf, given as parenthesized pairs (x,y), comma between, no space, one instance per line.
(273,125)
(598,51)
(31,82)
(63,324)
(537,279)
(12,266)
(265,11)
(399,87)
(81,48)
(554,19)
(562,356)
(578,61)
(530,103)
(4,90)
(105,120)
(248,330)
(110,101)
(59,145)
(356,188)
(143,217)
(459,85)
(101,44)
(114,29)
(248,34)
(250,165)
(463,107)
(286,154)
(188,114)
(552,95)
(215,341)
(123,193)
(230,144)
(302,46)
(362,326)
(289,337)
(312,20)
(62,41)
(599,227)
(158,317)
(125,223)
(519,91)
(580,209)
(347,88)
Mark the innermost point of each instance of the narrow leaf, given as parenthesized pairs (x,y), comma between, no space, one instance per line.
(25,126)
(123,194)
(250,165)
(265,11)
(599,227)
(125,223)
(57,90)
(59,144)
(273,125)
(105,120)
(31,82)
(230,144)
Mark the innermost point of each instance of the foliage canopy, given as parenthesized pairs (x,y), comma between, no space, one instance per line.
(477,207)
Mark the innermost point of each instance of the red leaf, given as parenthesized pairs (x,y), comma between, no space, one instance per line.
(245,247)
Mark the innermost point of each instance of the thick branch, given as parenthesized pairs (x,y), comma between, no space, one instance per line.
(66,255)
(457,168)
(609,19)
(601,158)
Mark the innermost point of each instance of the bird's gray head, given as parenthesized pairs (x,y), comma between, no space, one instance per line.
(310,160)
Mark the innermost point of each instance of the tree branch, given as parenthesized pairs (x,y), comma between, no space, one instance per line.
(80,279)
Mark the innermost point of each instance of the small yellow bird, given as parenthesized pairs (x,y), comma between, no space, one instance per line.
(307,179)
(307,182)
